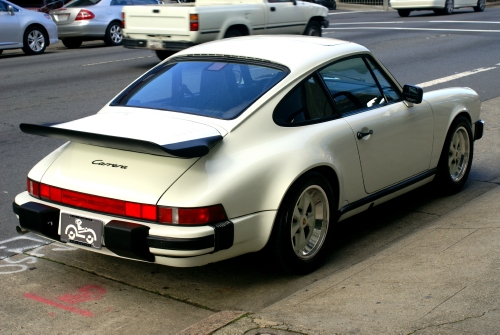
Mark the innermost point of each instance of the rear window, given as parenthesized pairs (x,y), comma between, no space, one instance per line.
(82,3)
(220,90)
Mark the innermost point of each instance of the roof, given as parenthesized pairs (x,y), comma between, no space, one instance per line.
(293,51)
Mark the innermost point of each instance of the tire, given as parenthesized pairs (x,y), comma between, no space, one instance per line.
(72,43)
(313,29)
(404,12)
(34,40)
(481,5)
(300,237)
(233,32)
(1,52)
(163,54)
(448,8)
(456,158)
(114,34)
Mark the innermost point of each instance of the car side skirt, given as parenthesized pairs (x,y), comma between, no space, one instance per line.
(386,194)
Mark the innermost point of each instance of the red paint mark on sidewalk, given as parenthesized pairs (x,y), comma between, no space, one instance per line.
(82,312)
(86,293)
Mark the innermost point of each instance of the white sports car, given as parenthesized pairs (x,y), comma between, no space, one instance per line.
(236,144)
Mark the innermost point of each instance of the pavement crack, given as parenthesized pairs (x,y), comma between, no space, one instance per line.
(185,301)
(460,240)
(445,300)
(453,322)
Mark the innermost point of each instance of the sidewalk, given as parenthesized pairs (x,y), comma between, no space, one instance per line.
(441,279)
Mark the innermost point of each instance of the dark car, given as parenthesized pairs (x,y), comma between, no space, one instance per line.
(41,5)
(330,4)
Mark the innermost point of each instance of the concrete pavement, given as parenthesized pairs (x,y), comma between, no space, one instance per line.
(441,279)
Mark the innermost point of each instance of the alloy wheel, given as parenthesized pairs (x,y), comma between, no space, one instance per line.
(116,34)
(36,40)
(458,154)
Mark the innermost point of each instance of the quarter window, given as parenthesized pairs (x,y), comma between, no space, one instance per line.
(305,103)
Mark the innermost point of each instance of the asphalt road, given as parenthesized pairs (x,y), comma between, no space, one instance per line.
(63,84)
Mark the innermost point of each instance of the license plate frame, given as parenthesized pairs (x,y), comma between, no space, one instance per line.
(81,230)
(155,44)
(61,17)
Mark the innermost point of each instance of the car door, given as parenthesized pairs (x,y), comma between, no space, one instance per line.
(394,141)
(283,17)
(10,29)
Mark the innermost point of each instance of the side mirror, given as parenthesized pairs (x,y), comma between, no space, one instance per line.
(294,2)
(10,9)
(412,94)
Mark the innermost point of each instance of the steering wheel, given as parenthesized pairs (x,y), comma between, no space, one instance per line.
(351,97)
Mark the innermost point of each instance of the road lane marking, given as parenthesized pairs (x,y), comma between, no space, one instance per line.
(463,22)
(410,22)
(453,77)
(115,61)
(367,11)
(422,29)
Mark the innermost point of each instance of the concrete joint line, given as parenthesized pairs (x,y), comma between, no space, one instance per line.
(445,300)
(212,323)
(456,321)
(460,240)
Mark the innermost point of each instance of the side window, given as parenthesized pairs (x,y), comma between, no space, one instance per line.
(390,92)
(306,102)
(146,2)
(3,7)
(274,1)
(351,85)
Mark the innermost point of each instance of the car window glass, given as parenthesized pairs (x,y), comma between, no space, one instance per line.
(82,3)
(390,92)
(215,89)
(351,85)
(146,2)
(306,102)
(274,1)
(3,7)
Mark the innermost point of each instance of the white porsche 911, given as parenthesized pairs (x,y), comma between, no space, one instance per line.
(236,144)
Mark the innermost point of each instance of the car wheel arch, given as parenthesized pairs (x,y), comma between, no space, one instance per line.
(243,29)
(41,28)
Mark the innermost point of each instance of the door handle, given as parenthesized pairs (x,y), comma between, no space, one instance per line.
(360,134)
(273,9)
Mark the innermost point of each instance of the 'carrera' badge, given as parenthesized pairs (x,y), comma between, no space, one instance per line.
(100,162)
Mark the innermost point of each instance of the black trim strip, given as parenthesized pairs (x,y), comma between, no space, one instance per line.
(386,192)
(286,25)
(170,243)
(262,28)
(187,149)
(210,32)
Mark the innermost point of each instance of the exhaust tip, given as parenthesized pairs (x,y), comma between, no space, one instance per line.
(21,231)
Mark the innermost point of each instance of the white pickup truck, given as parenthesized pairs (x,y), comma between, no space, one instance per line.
(170,27)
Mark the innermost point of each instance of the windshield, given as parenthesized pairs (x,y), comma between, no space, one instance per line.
(82,3)
(221,90)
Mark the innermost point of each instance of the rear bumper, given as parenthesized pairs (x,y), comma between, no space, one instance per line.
(124,238)
(155,44)
(163,244)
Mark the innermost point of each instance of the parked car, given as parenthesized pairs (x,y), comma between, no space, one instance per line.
(87,20)
(240,143)
(330,4)
(41,5)
(22,28)
(440,7)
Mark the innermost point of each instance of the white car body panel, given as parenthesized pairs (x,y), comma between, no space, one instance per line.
(257,161)
(170,22)
(428,4)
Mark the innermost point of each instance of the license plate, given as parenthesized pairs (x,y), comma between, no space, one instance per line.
(82,231)
(61,17)
(155,44)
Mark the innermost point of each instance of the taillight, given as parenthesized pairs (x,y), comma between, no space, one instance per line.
(193,22)
(168,215)
(123,20)
(84,14)
(192,216)
(33,188)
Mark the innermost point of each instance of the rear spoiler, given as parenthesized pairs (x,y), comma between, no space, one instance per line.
(187,149)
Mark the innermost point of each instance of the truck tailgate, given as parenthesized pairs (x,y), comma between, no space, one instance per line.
(162,19)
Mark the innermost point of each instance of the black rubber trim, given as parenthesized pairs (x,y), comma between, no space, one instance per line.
(210,32)
(130,43)
(39,218)
(128,239)
(177,45)
(386,192)
(261,28)
(224,235)
(187,149)
(171,243)
(286,25)
(478,129)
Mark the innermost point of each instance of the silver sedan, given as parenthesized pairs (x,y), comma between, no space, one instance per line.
(87,20)
(22,28)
